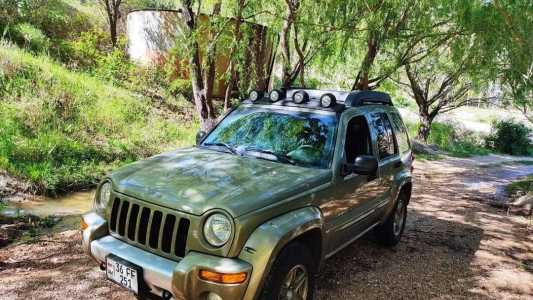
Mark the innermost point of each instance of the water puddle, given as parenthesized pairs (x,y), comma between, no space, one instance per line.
(66,205)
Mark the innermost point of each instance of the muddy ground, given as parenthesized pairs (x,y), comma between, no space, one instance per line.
(455,246)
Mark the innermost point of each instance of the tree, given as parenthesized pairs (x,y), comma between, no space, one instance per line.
(515,57)
(112,9)
(237,36)
(382,36)
(202,77)
(299,47)
(436,89)
(505,43)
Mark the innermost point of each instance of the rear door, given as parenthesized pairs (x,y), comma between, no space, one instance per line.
(388,157)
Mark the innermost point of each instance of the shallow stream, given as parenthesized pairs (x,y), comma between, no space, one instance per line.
(67,205)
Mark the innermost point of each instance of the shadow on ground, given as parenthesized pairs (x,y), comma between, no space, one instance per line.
(433,259)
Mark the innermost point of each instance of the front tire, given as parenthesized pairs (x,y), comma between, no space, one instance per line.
(390,232)
(292,276)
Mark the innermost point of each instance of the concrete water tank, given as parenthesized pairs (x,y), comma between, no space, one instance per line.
(152,33)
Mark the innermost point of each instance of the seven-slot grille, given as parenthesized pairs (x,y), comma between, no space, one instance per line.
(151,228)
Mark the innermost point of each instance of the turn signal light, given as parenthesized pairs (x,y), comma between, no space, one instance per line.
(83,225)
(222,278)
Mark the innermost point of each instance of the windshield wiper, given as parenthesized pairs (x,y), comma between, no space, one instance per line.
(220,144)
(279,157)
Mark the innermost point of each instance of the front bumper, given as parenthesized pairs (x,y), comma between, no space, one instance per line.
(160,274)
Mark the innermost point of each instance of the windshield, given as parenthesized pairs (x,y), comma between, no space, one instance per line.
(295,137)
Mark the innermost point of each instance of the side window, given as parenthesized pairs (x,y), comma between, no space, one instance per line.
(385,138)
(357,139)
(401,133)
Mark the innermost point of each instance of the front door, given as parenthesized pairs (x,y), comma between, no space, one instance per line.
(348,211)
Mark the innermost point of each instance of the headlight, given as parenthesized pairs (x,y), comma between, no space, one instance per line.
(217,230)
(103,197)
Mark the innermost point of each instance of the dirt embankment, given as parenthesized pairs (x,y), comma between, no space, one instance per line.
(456,246)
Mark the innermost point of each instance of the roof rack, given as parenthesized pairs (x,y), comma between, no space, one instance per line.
(355,99)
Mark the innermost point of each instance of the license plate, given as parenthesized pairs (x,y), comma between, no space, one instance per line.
(123,273)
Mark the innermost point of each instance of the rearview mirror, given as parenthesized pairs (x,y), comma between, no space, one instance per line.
(363,165)
(200,136)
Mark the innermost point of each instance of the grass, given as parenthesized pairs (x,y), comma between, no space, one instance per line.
(63,130)
(450,140)
(430,157)
(525,162)
(523,186)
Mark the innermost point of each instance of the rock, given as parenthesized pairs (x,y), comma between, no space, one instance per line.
(523,204)
(422,148)
(14,227)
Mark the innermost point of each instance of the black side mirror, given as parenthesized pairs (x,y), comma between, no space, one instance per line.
(364,165)
(200,136)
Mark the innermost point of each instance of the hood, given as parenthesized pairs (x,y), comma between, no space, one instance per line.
(196,180)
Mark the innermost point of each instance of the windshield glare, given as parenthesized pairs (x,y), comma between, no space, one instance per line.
(302,138)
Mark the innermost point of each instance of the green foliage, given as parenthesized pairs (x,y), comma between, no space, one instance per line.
(87,49)
(456,143)
(57,19)
(31,37)
(430,157)
(180,86)
(511,138)
(62,130)
(113,66)
(523,186)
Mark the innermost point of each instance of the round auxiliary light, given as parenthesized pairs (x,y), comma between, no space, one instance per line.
(327,100)
(276,95)
(300,97)
(256,95)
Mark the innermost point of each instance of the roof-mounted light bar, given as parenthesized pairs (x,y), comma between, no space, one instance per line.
(277,94)
(328,100)
(300,97)
(256,95)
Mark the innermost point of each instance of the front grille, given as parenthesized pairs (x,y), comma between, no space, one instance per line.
(154,229)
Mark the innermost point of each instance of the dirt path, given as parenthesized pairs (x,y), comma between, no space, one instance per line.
(455,246)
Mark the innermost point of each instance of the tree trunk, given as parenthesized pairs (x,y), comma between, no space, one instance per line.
(285,35)
(232,67)
(362,80)
(113,33)
(112,9)
(425,128)
(210,70)
(301,56)
(203,106)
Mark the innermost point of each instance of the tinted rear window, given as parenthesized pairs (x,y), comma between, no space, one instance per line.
(385,138)
(401,133)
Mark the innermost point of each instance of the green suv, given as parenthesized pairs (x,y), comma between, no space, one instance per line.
(284,181)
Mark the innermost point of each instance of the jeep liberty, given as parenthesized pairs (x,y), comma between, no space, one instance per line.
(283,182)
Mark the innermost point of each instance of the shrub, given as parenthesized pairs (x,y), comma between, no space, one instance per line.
(113,66)
(456,141)
(180,87)
(510,137)
(87,49)
(31,37)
